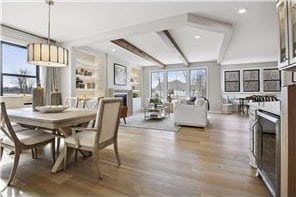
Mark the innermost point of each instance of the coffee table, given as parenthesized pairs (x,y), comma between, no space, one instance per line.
(156,113)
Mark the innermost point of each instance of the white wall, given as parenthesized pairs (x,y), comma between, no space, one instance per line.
(213,80)
(110,71)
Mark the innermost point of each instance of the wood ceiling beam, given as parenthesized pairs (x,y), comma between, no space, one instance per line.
(170,41)
(135,50)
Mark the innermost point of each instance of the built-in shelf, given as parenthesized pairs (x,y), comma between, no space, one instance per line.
(86,67)
(85,77)
(85,89)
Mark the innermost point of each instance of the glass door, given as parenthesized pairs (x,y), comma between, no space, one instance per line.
(283,28)
(292,30)
(268,150)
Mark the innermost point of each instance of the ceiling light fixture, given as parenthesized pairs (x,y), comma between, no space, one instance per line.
(113,50)
(197,37)
(242,10)
(48,54)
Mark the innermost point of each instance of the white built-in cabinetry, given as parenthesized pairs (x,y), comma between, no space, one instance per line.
(136,83)
(287,32)
(90,75)
(137,104)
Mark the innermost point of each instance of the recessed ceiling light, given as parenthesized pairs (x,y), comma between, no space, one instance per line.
(197,37)
(113,50)
(242,10)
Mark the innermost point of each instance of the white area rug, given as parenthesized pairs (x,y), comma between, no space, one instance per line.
(137,120)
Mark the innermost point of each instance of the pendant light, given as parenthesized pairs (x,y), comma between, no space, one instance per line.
(48,54)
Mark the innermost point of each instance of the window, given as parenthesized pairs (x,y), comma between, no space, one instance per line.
(177,82)
(251,80)
(157,84)
(198,86)
(271,80)
(17,76)
(232,81)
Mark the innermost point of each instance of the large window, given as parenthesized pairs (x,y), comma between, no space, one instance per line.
(177,82)
(157,84)
(17,76)
(198,82)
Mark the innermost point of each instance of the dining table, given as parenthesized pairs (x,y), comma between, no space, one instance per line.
(58,123)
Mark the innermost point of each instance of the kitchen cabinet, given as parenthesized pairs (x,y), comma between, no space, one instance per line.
(137,104)
(287,34)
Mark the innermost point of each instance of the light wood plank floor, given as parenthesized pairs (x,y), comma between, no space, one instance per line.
(192,162)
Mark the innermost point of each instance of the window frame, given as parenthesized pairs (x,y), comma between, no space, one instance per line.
(279,80)
(178,70)
(239,80)
(164,79)
(37,76)
(258,80)
(206,81)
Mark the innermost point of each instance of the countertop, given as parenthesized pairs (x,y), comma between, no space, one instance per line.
(271,107)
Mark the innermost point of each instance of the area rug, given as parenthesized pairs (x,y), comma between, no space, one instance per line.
(137,120)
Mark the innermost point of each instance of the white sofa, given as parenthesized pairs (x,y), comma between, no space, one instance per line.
(191,115)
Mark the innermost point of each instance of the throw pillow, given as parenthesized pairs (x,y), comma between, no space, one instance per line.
(199,102)
(192,99)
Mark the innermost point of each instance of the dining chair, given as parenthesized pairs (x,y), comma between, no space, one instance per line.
(71,102)
(20,141)
(103,134)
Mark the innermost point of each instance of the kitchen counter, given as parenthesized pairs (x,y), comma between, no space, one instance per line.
(271,107)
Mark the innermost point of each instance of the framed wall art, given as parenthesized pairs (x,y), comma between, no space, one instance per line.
(120,74)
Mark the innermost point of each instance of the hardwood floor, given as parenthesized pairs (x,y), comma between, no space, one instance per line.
(192,162)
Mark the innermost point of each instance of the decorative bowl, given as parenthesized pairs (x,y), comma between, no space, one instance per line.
(51,108)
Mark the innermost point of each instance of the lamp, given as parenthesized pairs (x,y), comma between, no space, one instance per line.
(48,54)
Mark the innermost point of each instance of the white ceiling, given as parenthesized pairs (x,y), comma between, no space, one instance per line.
(206,48)
(254,33)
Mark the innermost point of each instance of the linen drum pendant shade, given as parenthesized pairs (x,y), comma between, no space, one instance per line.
(47,55)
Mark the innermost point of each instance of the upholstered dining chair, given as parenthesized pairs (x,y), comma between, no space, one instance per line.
(71,102)
(103,134)
(20,141)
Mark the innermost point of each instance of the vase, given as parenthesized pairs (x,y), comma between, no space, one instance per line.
(38,96)
(56,97)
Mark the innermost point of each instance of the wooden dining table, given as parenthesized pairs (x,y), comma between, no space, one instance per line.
(58,123)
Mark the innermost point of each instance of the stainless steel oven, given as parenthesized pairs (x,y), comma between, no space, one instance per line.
(267,149)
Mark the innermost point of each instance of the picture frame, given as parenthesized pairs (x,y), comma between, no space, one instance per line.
(232,81)
(120,74)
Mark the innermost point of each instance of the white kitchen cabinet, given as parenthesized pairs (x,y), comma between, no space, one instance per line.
(137,104)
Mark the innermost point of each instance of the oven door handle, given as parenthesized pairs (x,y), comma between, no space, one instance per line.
(267,117)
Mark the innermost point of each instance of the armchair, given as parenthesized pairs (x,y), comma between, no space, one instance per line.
(191,115)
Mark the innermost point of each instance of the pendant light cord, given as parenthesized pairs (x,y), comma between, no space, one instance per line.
(49,4)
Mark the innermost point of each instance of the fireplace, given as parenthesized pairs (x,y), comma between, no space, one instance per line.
(123,96)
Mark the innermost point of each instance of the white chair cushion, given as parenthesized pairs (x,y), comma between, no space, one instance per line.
(29,137)
(86,138)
